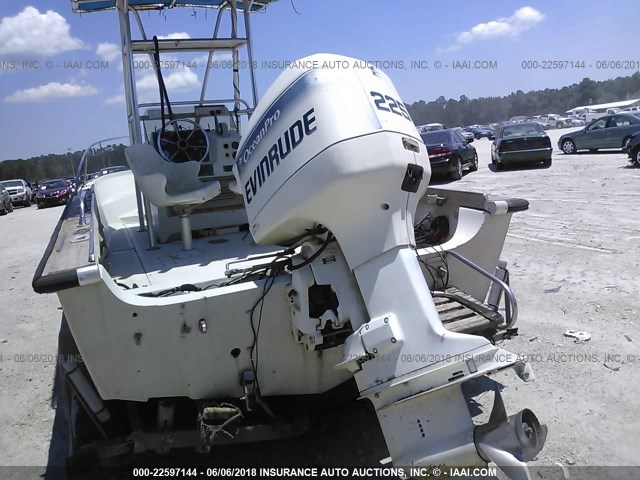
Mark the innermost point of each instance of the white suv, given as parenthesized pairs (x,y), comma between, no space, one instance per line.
(19,191)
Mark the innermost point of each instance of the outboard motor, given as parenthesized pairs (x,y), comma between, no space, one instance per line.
(332,144)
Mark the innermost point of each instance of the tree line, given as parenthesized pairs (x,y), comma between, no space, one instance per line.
(485,110)
(62,165)
(463,111)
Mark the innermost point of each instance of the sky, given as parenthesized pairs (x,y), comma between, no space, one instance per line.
(61,78)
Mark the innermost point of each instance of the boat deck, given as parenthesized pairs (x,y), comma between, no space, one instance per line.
(136,265)
(127,258)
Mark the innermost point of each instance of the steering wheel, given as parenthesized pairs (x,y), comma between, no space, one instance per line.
(182,144)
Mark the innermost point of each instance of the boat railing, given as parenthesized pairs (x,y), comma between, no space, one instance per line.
(200,102)
(81,173)
(511,304)
(211,45)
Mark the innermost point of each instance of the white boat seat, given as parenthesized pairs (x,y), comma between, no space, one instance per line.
(165,183)
(168,184)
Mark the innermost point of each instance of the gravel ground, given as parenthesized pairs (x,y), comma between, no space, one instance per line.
(29,326)
(574,261)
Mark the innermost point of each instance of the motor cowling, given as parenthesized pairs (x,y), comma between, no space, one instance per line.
(332,143)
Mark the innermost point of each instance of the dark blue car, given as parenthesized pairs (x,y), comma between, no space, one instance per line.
(482,132)
(450,153)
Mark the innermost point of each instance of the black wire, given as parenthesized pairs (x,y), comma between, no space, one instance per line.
(443,256)
(265,291)
(317,230)
(187,287)
(126,287)
(427,216)
(271,273)
(260,273)
(164,96)
(429,267)
(233,281)
(425,237)
(216,122)
(309,260)
(266,287)
(421,234)
(294,8)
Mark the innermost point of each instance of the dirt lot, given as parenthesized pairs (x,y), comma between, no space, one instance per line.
(574,261)
(29,327)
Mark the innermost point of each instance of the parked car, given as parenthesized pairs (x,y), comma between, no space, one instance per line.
(53,192)
(469,130)
(449,153)
(575,121)
(466,134)
(524,142)
(633,149)
(5,201)
(431,127)
(552,120)
(71,181)
(19,190)
(610,131)
(588,115)
(108,170)
(482,131)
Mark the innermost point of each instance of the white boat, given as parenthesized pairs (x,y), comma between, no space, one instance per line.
(259,252)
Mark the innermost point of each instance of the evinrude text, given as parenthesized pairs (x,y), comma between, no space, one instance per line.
(286,143)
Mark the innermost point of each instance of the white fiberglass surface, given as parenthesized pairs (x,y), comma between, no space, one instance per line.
(170,265)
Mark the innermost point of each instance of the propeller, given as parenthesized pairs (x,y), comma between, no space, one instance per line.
(510,442)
